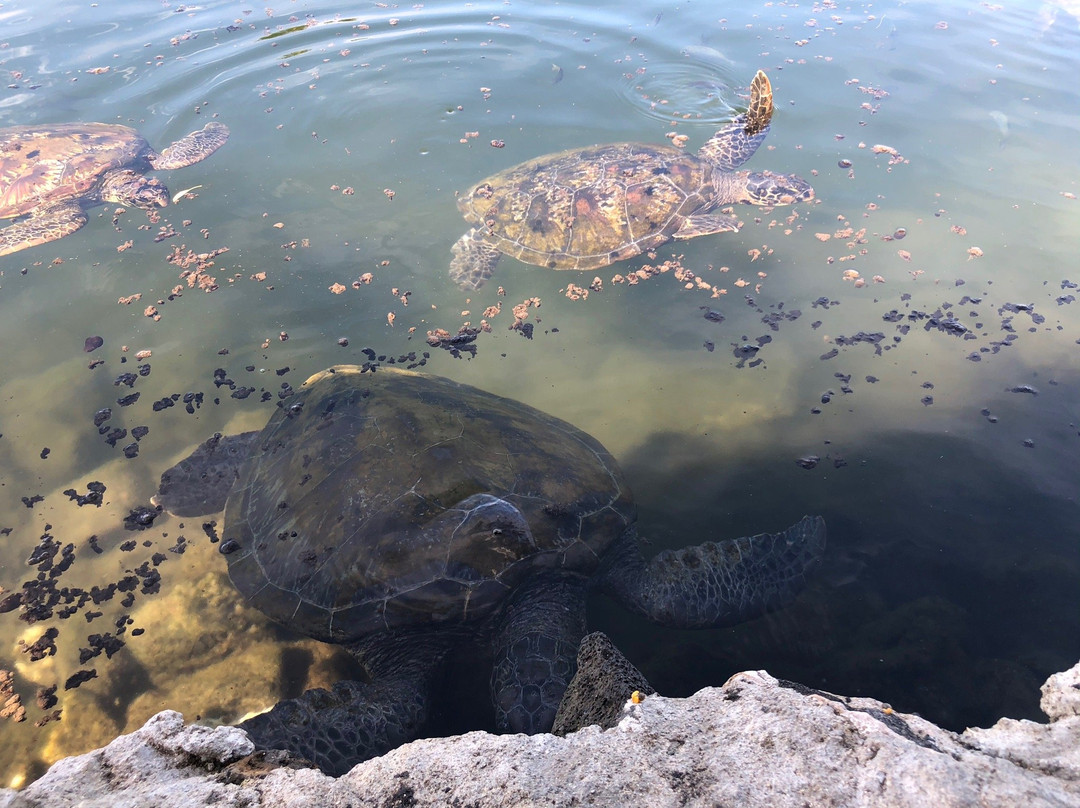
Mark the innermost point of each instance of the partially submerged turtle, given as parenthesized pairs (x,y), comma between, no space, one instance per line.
(586,208)
(50,174)
(404,515)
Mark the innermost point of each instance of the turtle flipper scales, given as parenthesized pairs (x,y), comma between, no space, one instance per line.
(536,652)
(736,143)
(336,729)
(716,584)
(760,111)
(42,227)
(474,260)
(192,148)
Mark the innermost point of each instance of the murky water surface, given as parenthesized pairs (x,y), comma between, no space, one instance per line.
(916,329)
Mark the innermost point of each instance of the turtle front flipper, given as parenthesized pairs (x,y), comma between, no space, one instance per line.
(736,143)
(474,260)
(715,584)
(192,148)
(353,722)
(336,729)
(536,652)
(42,227)
(705,224)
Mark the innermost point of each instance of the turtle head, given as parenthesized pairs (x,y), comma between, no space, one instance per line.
(768,188)
(200,483)
(129,187)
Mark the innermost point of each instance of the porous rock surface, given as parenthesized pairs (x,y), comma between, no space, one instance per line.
(605,680)
(756,741)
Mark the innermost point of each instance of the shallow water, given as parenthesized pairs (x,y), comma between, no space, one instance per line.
(952,578)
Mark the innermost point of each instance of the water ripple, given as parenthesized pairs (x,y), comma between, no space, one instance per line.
(697,84)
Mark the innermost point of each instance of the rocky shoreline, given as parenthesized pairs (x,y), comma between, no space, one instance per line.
(756,741)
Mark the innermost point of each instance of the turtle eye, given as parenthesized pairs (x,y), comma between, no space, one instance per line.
(496,531)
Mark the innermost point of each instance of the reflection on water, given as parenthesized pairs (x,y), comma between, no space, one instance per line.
(932,376)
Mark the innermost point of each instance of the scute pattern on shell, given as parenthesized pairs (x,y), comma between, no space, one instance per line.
(395,500)
(575,210)
(50,163)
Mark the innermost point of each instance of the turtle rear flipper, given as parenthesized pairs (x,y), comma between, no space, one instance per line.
(200,483)
(474,260)
(42,227)
(716,584)
(192,148)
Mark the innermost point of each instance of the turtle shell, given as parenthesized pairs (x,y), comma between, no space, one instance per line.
(50,163)
(395,500)
(586,208)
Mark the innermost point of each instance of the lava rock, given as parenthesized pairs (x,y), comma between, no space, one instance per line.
(604,682)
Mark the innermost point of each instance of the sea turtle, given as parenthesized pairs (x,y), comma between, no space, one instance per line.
(586,208)
(50,173)
(404,516)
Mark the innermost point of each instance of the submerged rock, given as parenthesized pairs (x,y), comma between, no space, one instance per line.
(756,741)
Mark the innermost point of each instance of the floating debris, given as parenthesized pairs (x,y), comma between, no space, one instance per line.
(142,517)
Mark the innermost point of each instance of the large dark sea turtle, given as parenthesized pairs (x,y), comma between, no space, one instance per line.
(586,208)
(50,174)
(405,516)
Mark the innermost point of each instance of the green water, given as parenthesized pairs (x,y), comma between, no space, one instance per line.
(952,579)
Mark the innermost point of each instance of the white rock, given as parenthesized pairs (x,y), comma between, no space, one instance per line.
(1061,694)
(753,742)
(163,763)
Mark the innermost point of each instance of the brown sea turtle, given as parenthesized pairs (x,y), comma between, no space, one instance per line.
(50,174)
(406,517)
(585,208)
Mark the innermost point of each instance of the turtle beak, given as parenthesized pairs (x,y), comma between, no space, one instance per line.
(152,194)
(768,188)
(787,189)
(799,191)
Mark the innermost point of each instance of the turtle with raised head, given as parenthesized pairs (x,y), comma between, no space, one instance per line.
(403,515)
(51,173)
(586,208)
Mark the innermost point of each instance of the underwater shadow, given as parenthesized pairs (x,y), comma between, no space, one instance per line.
(950,586)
